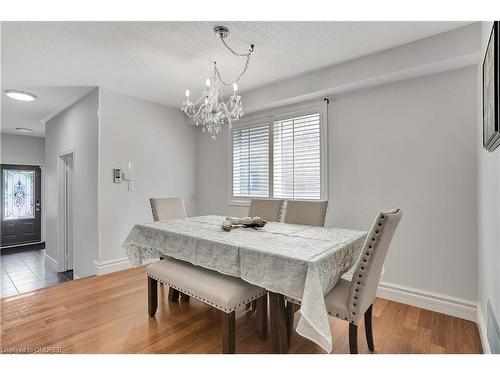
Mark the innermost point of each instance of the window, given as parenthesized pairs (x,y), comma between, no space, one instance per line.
(19,194)
(279,156)
(297,158)
(251,161)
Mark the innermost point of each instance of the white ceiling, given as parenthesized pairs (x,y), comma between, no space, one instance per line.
(159,60)
(19,114)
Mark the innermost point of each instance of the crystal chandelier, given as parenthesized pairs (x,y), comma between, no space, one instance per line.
(213,111)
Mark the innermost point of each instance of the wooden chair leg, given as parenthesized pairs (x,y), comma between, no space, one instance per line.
(353,338)
(173,295)
(184,297)
(261,316)
(152,296)
(228,332)
(368,328)
(291,309)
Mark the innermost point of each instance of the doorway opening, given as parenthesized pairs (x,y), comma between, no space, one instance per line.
(66,213)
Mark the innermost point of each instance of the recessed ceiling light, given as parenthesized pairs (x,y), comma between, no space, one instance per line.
(20,95)
(24,130)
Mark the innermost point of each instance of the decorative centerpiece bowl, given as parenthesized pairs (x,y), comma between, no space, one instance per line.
(247,222)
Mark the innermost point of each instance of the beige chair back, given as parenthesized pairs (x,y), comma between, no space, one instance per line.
(268,209)
(306,212)
(367,272)
(167,208)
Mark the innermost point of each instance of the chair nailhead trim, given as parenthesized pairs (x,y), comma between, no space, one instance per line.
(362,268)
(208,302)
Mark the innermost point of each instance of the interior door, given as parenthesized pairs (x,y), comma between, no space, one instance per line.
(21,204)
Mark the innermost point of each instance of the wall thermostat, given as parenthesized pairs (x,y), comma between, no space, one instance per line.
(117,175)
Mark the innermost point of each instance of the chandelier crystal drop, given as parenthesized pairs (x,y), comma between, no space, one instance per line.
(211,111)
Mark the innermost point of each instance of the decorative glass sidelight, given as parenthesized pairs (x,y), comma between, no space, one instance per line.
(19,194)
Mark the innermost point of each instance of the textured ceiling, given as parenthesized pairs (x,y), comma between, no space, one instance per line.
(19,114)
(159,60)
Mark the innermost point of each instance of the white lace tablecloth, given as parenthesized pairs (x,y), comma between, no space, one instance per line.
(302,262)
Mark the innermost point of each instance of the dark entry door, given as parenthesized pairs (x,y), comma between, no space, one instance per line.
(21,204)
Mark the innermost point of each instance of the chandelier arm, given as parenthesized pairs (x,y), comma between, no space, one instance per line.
(194,105)
(199,100)
(197,114)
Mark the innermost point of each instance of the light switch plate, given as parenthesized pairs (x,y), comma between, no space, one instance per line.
(127,176)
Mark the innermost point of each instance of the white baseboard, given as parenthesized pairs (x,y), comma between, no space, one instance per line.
(50,260)
(108,266)
(441,303)
(481,324)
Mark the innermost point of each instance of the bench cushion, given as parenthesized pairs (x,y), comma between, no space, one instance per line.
(226,293)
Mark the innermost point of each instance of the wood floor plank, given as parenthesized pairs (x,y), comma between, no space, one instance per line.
(108,314)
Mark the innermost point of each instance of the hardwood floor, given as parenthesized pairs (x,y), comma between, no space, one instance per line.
(108,314)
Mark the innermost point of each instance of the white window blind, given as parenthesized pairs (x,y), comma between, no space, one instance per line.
(251,161)
(297,158)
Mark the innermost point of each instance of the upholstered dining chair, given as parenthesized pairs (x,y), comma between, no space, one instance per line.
(350,300)
(267,209)
(306,212)
(168,209)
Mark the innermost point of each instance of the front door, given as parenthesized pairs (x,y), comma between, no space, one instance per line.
(21,204)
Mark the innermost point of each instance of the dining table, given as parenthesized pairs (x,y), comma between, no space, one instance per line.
(297,261)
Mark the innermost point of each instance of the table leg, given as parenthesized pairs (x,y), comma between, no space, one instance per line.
(279,337)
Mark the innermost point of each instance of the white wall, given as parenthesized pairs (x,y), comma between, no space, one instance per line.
(411,145)
(21,149)
(488,208)
(162,147)
(74,129)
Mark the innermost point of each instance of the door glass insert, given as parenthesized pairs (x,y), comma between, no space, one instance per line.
(19,194)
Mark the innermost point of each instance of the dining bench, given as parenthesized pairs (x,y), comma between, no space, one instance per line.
(223,292)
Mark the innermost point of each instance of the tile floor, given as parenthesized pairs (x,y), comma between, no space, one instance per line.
(26,271)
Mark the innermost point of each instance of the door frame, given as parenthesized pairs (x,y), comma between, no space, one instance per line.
(61,209)
(41,200)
